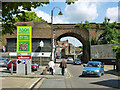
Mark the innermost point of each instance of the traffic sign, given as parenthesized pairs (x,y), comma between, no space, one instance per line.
(23,61)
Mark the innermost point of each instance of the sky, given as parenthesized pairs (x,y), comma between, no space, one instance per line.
(93,11)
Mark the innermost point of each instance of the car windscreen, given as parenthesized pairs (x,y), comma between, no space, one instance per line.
(92,65)
(77,60)
(9,61)
(70,58)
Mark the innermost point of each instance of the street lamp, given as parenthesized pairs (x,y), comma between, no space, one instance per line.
(52,39)
(41,45)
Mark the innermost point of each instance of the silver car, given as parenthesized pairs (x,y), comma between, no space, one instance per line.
(3,62)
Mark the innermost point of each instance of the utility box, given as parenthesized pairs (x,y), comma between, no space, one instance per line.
(24,64)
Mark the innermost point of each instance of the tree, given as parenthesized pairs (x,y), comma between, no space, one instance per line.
(11,8)
(116,48)
(110,36)
(110,32)
(29,17)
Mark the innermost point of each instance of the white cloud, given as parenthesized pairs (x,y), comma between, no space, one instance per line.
(74,13)
(99,0)
(81,11)
(60,19)
(112,14)
(42,14)
(47,17)
(72,40)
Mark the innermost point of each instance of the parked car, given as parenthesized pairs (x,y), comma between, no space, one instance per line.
(58,57)
(77,61)
(34,66)
(69,59)
(3,62)
(94,68)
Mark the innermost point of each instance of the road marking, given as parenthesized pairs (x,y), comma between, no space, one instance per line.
(69,74)
(40,83)
(34,82)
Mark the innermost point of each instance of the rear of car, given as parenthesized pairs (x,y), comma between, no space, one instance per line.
(10,62)
(34,66)
(3,62)
(93,68)
(77,61)
(69,59)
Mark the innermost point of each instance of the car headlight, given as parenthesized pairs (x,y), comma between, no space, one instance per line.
(96,70)
(84,70)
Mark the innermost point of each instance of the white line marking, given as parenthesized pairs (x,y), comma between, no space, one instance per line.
(35,82)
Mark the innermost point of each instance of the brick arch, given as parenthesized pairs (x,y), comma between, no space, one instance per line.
(85,56)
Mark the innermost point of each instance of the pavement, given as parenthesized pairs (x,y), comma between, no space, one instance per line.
(37,74)
(28,81)
(110,69)
(38,77)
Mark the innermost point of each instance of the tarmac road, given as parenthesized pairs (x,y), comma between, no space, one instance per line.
(75,80)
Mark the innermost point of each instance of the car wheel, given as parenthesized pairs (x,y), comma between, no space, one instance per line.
(7,68)
(83,75)
(103,73)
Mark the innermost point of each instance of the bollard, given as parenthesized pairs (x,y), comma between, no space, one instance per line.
(11,68)
(25,69)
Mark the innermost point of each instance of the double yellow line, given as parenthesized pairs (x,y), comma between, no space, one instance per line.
(69,74)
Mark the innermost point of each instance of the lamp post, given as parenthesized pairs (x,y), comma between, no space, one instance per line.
(52,39)
(41,45)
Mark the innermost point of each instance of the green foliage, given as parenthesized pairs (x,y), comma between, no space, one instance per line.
(29,17)
(110,32)
(80,25)
(86,26)
(93,41)
(10,9)
(70,2)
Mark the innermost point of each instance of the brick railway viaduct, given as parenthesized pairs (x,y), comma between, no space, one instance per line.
(43,30)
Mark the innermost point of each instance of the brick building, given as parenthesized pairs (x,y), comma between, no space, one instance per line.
(65,49)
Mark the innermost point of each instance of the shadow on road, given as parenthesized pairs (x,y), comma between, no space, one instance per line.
(7,71)
(112,83)
(81,76)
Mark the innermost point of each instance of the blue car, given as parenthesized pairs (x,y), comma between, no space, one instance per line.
(77,61)
(93,68)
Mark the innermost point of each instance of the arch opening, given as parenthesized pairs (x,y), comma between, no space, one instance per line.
(65,51)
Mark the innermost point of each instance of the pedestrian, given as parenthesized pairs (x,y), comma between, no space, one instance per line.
(63,65)
(3,48)
(51,66)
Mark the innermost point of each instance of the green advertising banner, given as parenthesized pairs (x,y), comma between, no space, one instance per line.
(24,39)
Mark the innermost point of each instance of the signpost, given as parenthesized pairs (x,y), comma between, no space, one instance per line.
(24,39)
(24,34)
